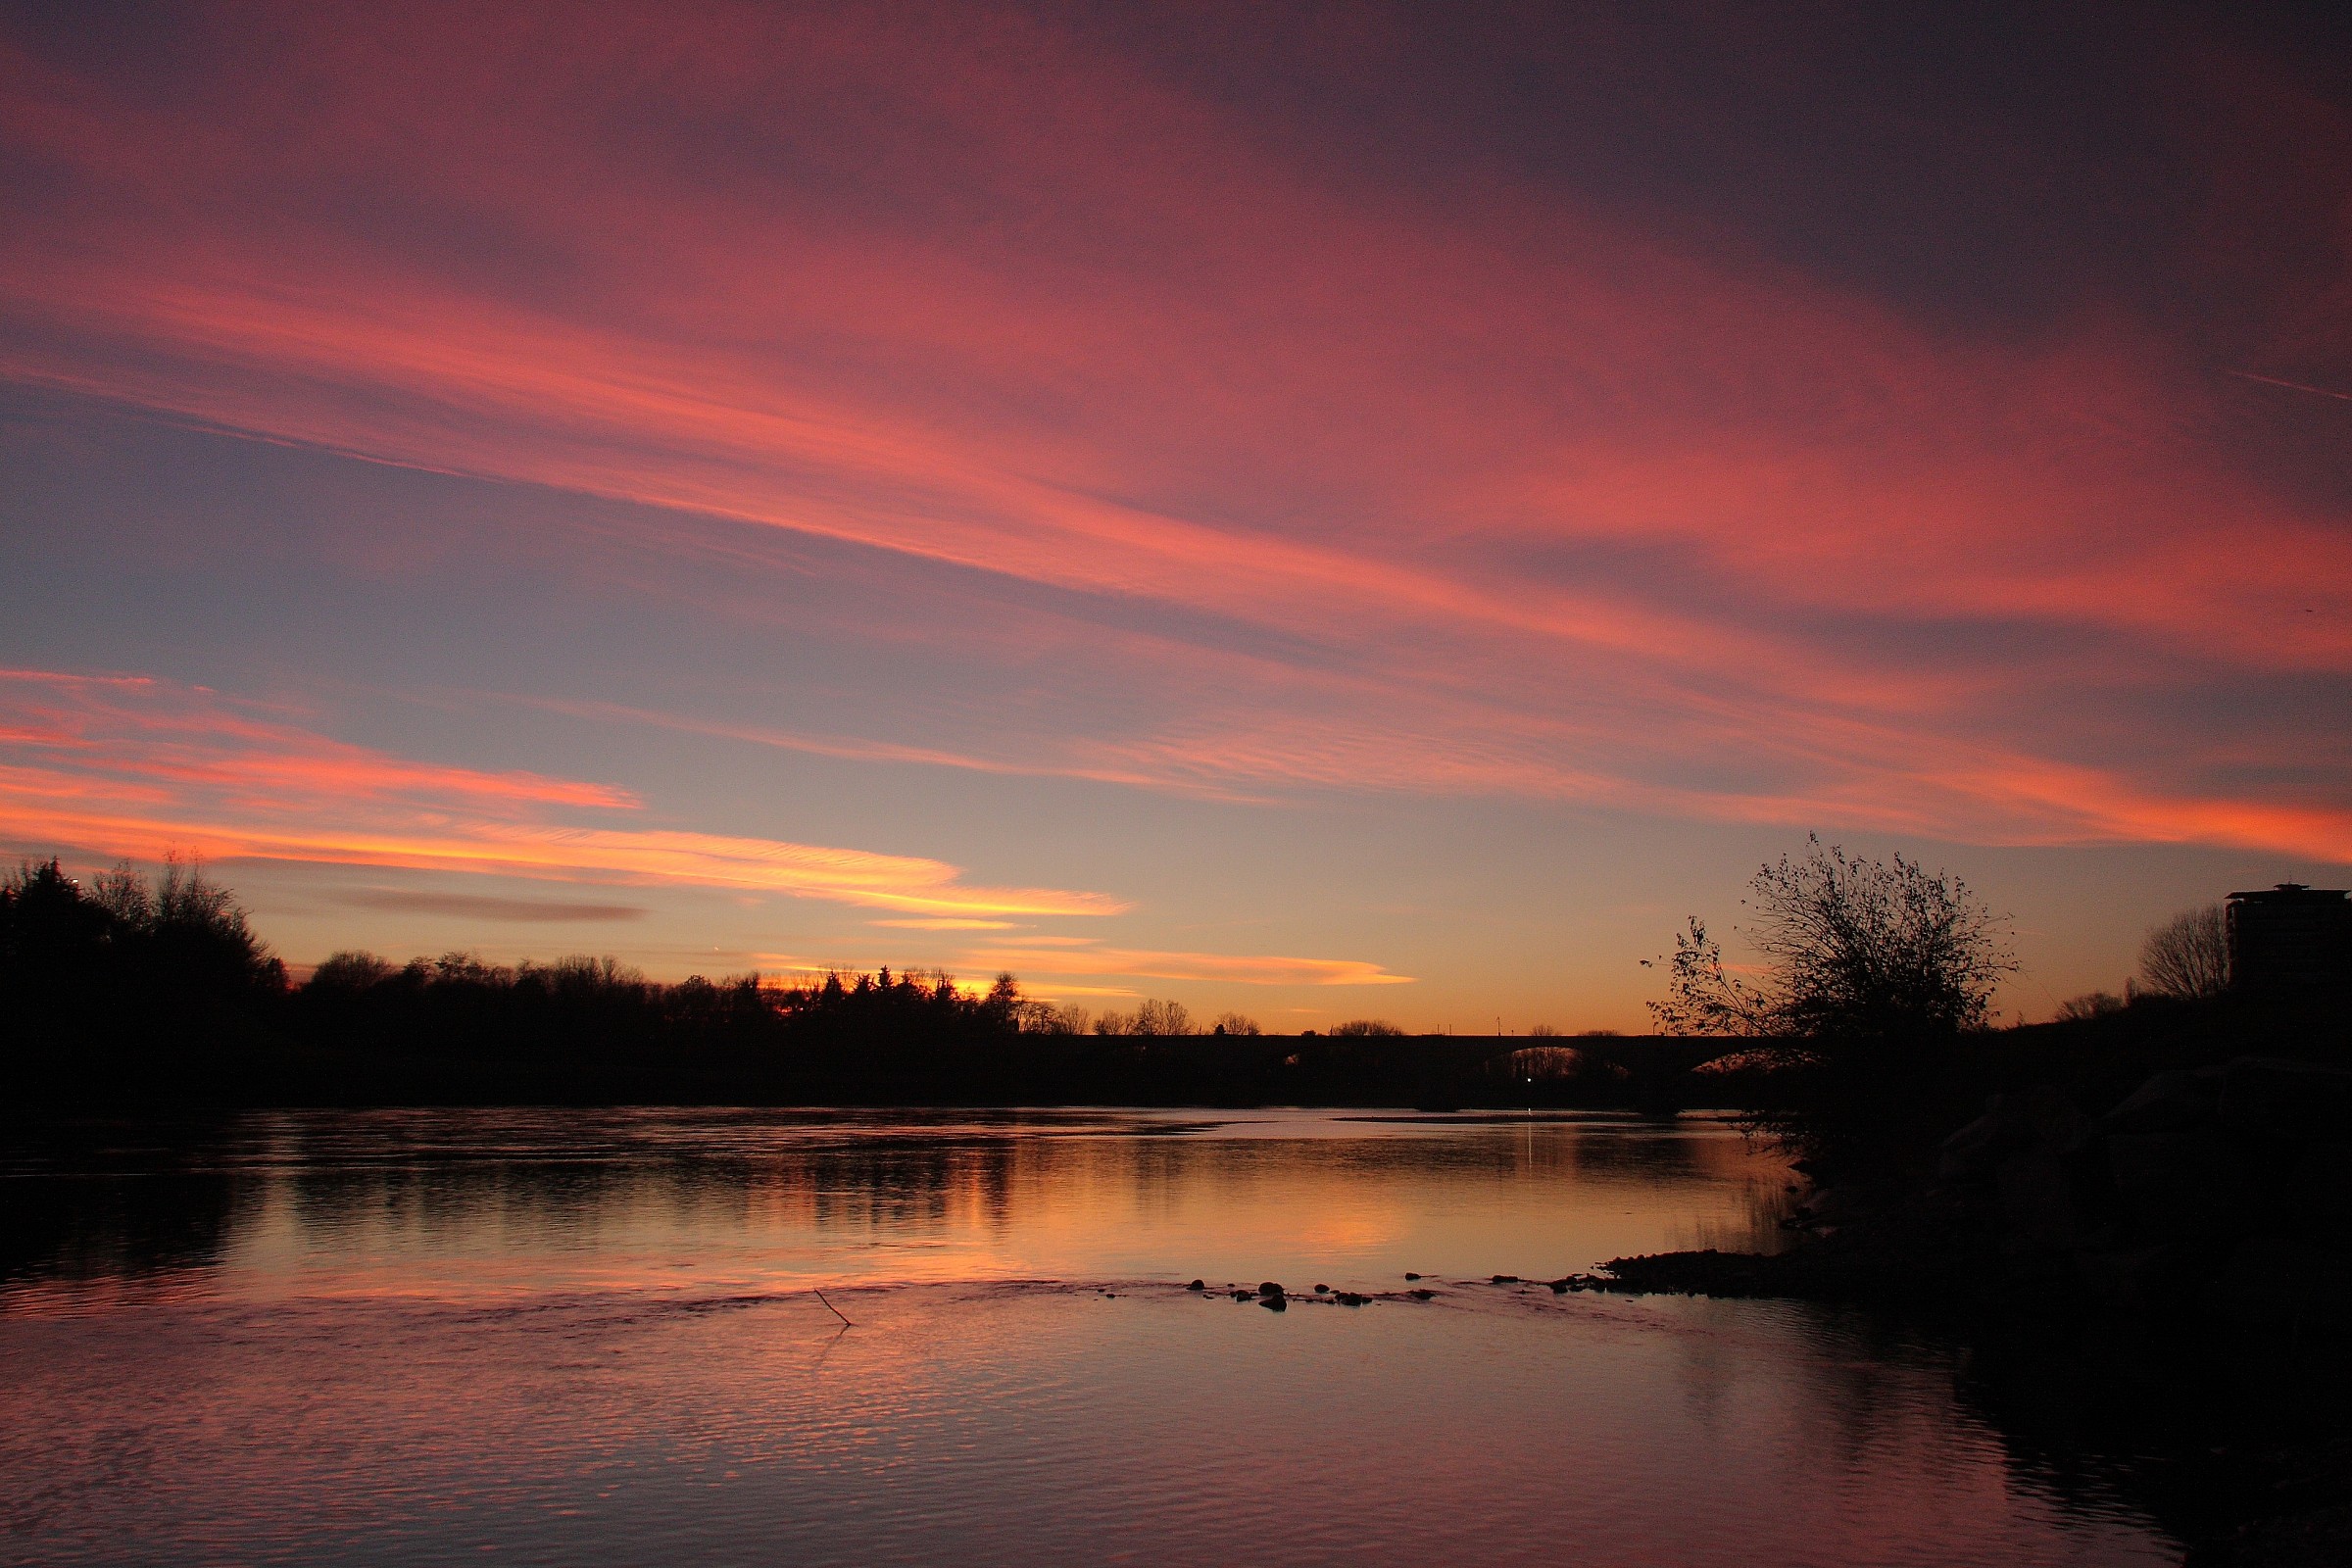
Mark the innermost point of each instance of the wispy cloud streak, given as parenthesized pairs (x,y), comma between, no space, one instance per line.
(1505,490)
(1055,961)
(137,767)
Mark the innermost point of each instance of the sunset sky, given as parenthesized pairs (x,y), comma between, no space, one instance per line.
(1321,511)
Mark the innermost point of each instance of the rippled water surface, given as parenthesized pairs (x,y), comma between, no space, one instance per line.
(596,1337)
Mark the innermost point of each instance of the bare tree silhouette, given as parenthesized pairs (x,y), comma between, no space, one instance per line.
(2188,955)
(1855,950)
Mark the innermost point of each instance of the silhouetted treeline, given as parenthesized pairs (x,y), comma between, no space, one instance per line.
(131,992)
(591,1030)
(588,1031)
(135,991)
(130,986)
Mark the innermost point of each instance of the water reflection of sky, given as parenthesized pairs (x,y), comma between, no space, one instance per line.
(563,1338)
(465,1204)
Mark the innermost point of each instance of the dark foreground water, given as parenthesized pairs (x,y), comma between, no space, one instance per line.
(594,1337)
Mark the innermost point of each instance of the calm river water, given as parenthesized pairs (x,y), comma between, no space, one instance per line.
(594,1338)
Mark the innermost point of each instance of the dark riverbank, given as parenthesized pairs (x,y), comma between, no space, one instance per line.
(2225,1421)
(2167,1272)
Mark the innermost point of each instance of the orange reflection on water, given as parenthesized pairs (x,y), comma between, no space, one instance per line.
(497,1204)
(563,1337)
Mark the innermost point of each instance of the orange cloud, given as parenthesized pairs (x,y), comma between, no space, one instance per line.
(1061,960)
(134,767)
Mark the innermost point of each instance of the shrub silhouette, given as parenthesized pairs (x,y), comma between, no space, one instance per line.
(1856,951)
(2091,1004)
(349,970)
(1873,970)
(1153,1018)
(1055,1019)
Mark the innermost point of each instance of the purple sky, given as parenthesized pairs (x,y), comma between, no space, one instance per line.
(1324,512)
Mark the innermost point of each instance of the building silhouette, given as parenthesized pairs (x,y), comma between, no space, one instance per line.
(2291,938)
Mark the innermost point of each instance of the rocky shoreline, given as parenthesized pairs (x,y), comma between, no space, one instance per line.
(2195,1240)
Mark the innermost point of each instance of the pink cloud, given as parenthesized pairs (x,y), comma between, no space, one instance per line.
(1036,315)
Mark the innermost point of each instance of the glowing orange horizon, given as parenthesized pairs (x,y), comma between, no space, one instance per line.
(182,770)
(173,773)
